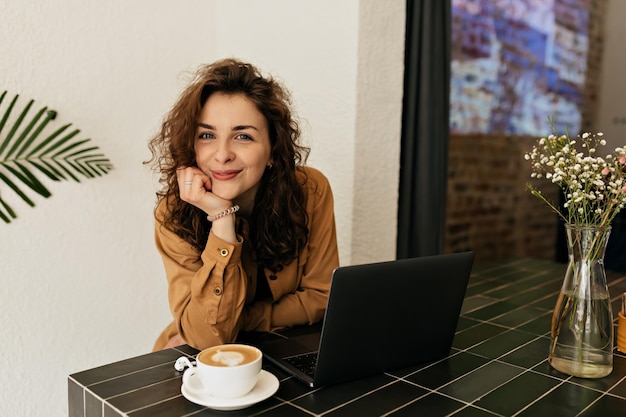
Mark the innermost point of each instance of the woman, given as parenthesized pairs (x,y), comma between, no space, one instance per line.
(246,232)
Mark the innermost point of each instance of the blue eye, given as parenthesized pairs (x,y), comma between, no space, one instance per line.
(205,135)
(243,136)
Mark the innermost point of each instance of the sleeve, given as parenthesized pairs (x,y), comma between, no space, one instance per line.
(307,303)
(207,292)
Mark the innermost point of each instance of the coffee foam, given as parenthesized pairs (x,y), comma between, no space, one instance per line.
(228,355)
(228,358)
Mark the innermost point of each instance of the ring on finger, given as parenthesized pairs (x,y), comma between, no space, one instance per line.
(187,182)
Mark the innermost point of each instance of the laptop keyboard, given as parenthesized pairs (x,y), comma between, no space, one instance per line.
(305,363)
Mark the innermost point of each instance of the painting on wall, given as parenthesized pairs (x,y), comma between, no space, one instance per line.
(517,62)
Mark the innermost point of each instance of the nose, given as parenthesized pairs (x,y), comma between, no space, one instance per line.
(224,152)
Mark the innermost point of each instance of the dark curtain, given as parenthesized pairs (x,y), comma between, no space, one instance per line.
(425,129)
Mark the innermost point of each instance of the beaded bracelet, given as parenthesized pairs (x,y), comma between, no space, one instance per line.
(227,212)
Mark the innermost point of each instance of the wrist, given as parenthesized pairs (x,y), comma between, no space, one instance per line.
(224,213)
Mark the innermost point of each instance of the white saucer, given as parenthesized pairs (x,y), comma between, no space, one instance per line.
(264,388)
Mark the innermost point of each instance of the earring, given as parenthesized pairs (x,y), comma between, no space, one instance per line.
(269,166)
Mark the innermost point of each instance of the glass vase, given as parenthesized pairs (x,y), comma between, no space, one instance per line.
(582,323)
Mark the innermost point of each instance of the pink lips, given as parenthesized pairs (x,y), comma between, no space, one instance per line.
(224,175)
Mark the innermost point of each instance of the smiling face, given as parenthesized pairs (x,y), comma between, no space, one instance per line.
(232,146)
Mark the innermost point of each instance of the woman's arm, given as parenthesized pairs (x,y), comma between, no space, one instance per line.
(206,295)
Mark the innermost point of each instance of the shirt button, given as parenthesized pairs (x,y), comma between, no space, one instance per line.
(224,252)
(273,277)
(217,291)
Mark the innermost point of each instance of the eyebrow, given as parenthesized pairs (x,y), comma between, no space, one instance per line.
(235,128)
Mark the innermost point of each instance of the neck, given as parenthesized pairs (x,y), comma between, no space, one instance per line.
(246,202)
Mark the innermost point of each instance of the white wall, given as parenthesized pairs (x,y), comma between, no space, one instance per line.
(378,129)
(611,112)
(82,284)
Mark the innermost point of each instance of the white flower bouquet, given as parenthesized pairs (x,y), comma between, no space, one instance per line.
(594,191)
(593,186)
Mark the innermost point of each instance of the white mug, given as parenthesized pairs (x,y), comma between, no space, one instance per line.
(226,371)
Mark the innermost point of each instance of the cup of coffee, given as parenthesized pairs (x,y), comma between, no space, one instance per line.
(227,371)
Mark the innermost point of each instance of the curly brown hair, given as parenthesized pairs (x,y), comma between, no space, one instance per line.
(278,226)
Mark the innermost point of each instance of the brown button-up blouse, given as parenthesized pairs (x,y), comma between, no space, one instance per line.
(212,294)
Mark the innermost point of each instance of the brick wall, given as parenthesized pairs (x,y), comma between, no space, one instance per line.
(489,209)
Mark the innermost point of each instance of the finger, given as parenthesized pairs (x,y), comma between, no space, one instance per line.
(182,173)
(185,177)
(196,170)
(203,178)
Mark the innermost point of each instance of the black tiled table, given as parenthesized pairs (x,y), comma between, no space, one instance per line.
(497,367)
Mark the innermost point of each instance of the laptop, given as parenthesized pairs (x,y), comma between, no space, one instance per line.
(379,317)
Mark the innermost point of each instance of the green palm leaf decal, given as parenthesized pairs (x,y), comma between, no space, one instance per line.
(27,154)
